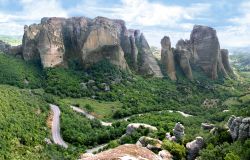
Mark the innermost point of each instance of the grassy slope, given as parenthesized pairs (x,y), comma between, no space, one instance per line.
(101,109)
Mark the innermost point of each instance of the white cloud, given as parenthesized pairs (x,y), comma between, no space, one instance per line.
(32,11)
(237,35)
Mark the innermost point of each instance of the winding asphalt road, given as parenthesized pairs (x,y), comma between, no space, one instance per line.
(56,126)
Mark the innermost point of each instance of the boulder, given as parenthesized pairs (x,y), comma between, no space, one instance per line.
(126,151)
(239,127)
(165,155)
(194,147)
(179,131)
(150,143)
(167,57)
(134,126)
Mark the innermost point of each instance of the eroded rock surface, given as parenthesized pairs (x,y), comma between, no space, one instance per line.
(60,41)
(239,127)
(150,143)
(167,57)
(194,147)
(201,51)
(179,131)
(127,151)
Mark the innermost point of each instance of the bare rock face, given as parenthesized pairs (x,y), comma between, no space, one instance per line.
(183,61)
(194,147)
(29,43)
(50,42)
(201,51)
(147,62)
(127,151)
(239,127)
(206,44)
(59,41)
(225,61)
(167,57)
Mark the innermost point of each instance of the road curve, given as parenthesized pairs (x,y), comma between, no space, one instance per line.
(89,116)
(56,136)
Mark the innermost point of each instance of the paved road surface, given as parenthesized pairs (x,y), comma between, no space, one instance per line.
(56,126)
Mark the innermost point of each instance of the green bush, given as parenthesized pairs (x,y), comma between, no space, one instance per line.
(177,150)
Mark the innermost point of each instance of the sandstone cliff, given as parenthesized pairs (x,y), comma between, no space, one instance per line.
(60,41)
(201,51)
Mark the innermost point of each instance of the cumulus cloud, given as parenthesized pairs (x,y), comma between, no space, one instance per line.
(32,11)
(237,35)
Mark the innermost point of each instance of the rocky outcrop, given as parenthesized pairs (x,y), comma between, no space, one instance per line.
(179,132)
(61,41)
(150,143)
(127,151)
(239,127)
(201,51)
(134,126)
(194,147)
(167,57)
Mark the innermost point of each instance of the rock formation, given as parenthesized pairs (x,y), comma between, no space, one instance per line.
(60,41)
(194,147)
(225,61)
(150,143)
(179,132)
(201,51)
(239,127)
(127,151)
(167,57)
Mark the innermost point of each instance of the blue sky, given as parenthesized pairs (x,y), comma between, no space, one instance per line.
(155,18)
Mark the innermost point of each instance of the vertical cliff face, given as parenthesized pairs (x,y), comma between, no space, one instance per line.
(206,44)
(201,51)
(167,57)
(58,41)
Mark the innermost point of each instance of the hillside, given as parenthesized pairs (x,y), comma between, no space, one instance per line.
(77,86)
(130,95)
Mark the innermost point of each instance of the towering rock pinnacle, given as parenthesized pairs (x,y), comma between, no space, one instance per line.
(59,41)
(201,51)
(167,57)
